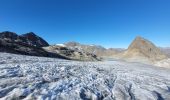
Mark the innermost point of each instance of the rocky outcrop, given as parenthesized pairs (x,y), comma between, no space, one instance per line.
(143,50)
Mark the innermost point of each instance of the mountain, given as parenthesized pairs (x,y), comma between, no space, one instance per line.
(31,44)
(143,50)
(165,50)
(9,36)
(34,40)
(27,44)
(88,48)
(28,38)
(94,49)
(71,53)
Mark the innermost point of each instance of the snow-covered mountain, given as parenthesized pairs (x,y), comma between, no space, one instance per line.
(39,78)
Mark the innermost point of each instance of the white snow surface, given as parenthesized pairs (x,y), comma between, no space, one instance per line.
(62,45)
(39,78)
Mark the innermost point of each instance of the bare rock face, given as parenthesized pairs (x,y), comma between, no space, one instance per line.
(143,50)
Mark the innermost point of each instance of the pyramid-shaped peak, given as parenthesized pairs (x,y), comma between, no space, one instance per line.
(145,48)
(34,39)
(140,42)
(141,38)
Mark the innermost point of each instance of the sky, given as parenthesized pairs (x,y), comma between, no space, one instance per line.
(110,23)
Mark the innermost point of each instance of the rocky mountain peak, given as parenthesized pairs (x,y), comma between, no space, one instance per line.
(29,38)
(141,43)
(139,37)
(8,35)
(143,48)
(30,34)
(34,40)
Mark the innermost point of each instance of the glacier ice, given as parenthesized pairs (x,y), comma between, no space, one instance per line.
(40,78)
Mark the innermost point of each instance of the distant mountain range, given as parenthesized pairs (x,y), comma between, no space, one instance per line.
(165,50)
(140,49)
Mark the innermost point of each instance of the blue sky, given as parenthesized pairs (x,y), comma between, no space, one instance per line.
(110,23)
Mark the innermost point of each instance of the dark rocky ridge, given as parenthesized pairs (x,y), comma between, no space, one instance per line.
(28,38)
(33,39)
(27,44)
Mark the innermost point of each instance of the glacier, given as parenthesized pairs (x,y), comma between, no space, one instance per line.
(40,78)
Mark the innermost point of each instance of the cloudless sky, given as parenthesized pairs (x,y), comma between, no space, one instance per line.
(110,23)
